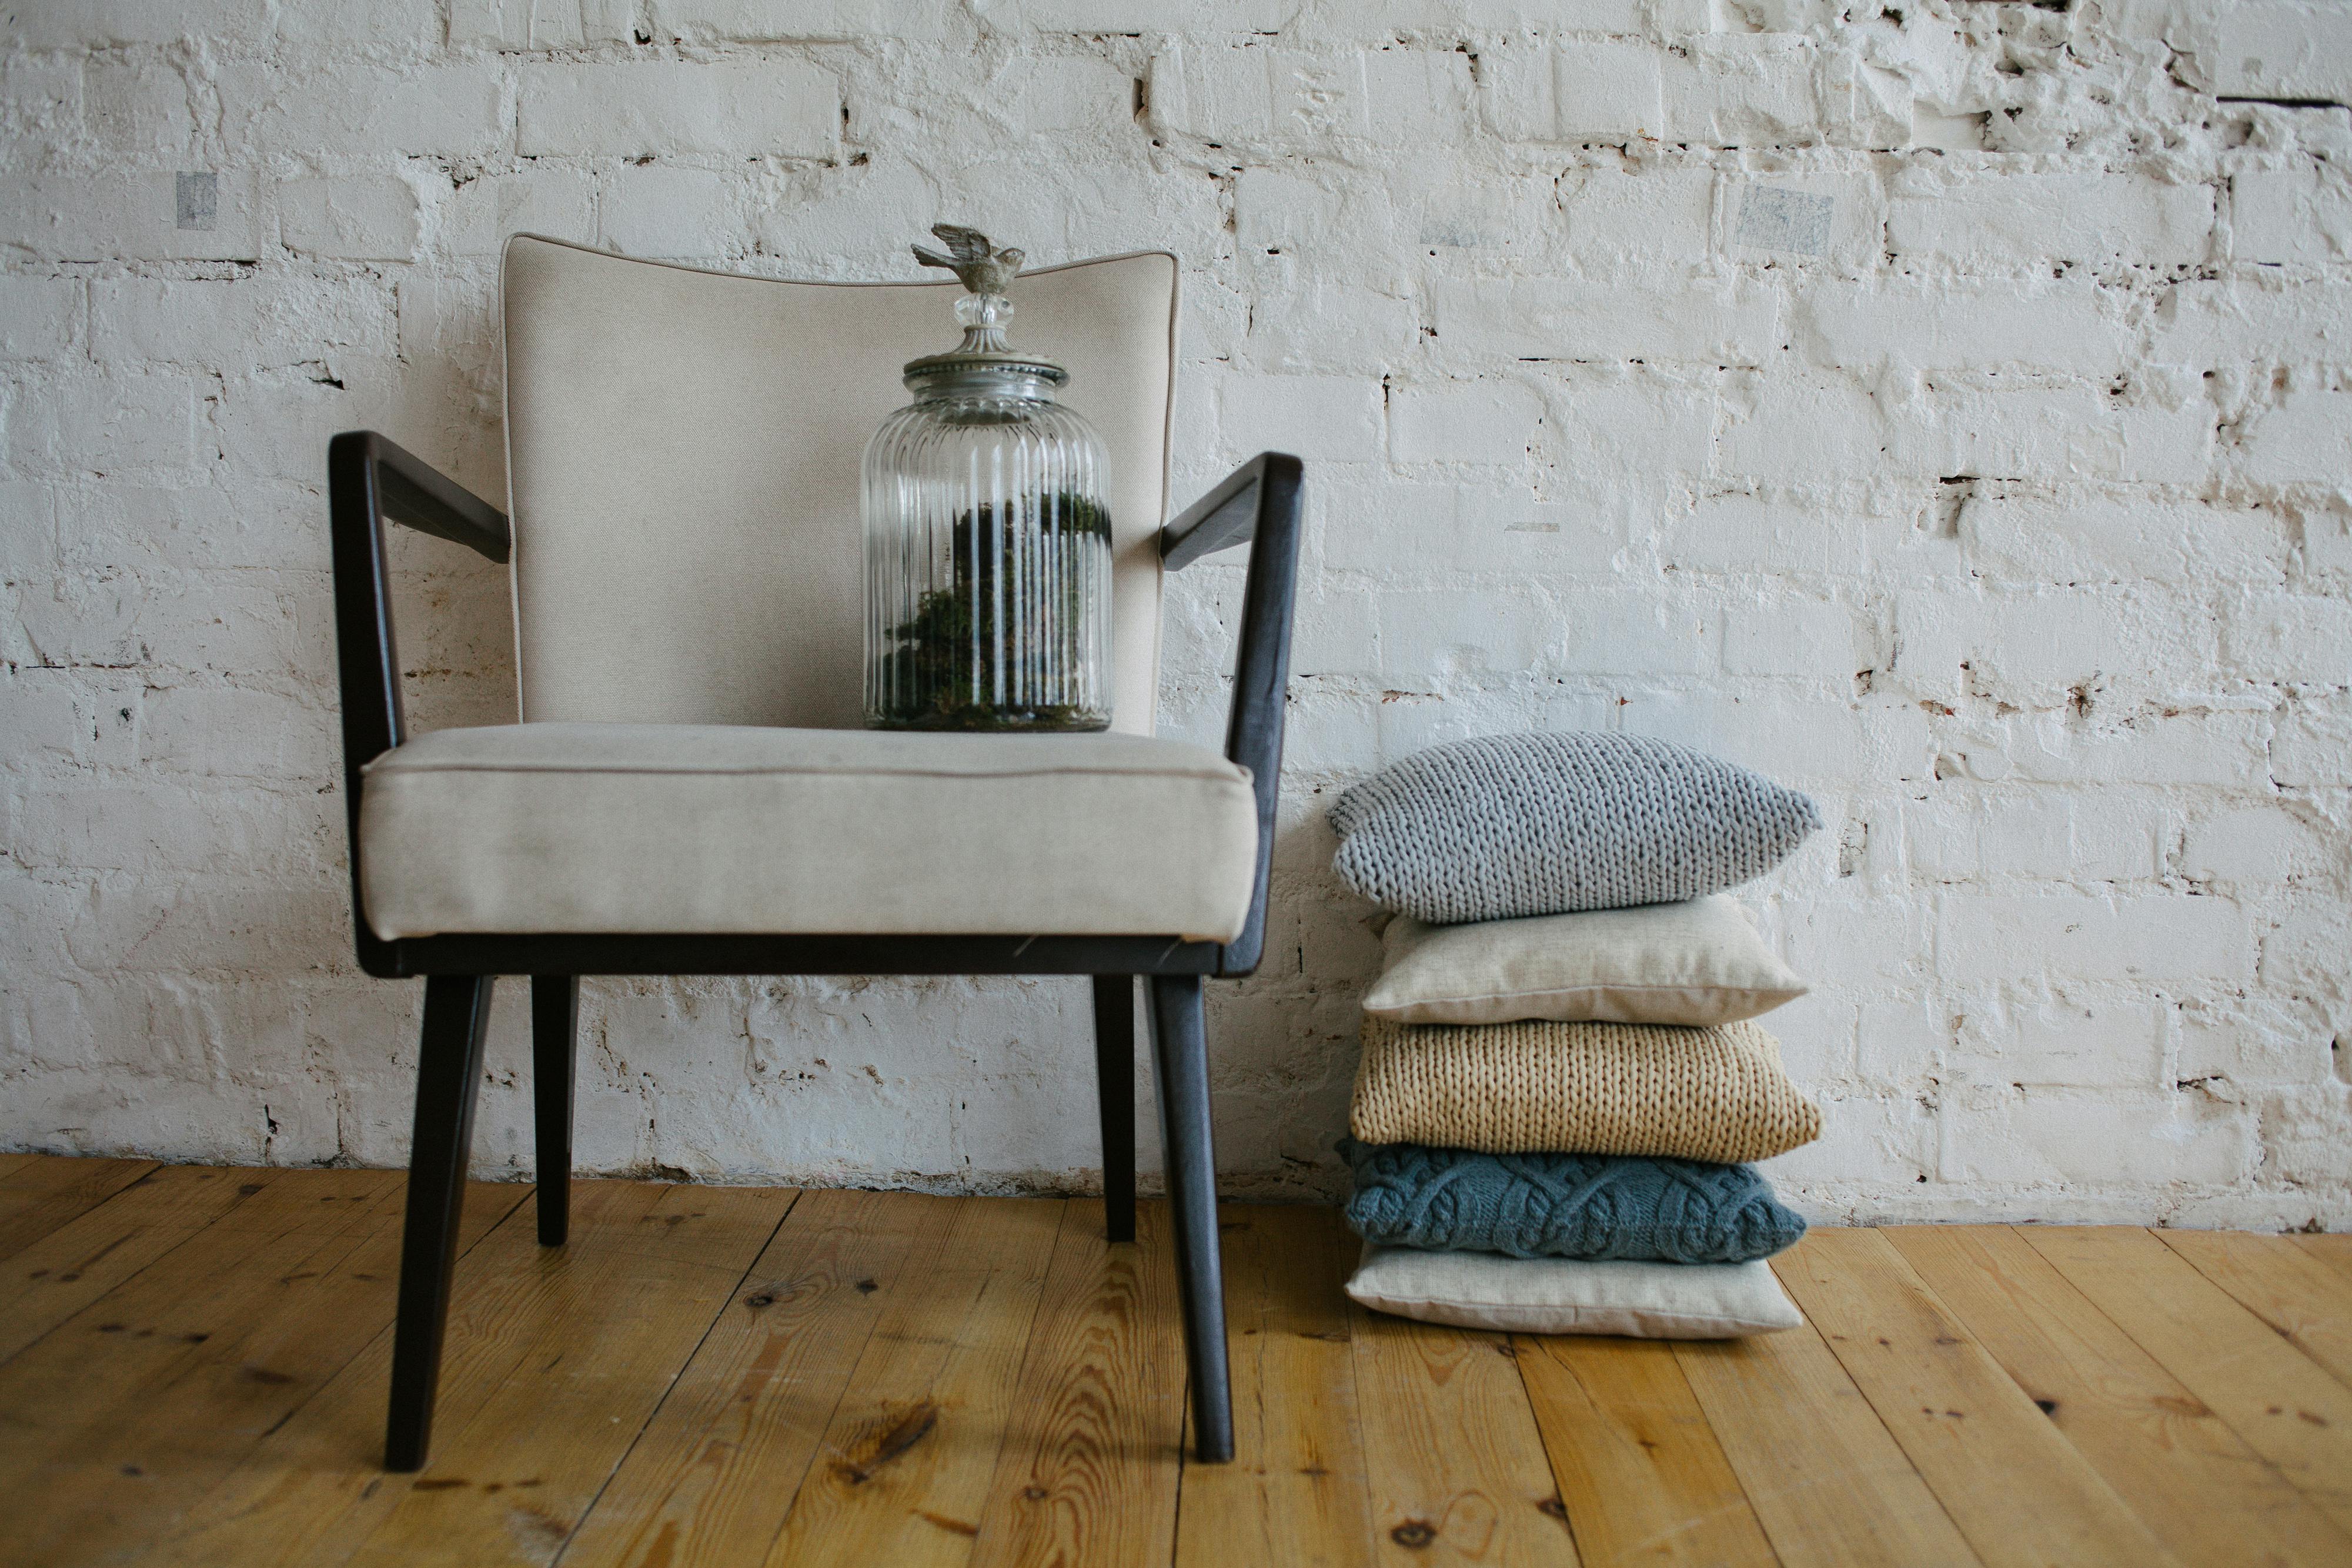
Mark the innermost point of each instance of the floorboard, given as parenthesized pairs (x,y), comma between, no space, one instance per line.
(903,1470)
(193,1371)
(1088,1471)
(1640,1471)
(54,1277)
(40,1195)
(1455,1461)
(2017,1489)
(1295,1492)
(1828,1482)
(2277,1398)
(2300,1296)
(2208,1496)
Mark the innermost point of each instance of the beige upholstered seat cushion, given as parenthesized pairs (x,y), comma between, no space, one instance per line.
(1580,1088)
(1698,962)
(712,828)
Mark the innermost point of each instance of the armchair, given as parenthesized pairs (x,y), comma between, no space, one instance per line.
(686,792)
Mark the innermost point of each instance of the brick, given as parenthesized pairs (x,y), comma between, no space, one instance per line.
(412,22)
(1557,319)
(231,732)
(1645,212)
(1793,216)
(2312,746)
(2216,323)
(2253,1042)
(1443,632)
(2307,439)
(243,324)
(2071,839)
(477,218)
(1464,421)
(1750,533)
(2096,1139)
(2147,939)
(2071,327)
(1879,1144)
(658,210)
(2050,433)
(1793,638)
(2273,48)
(1741,90)
(521,25)
(116,524)
(101,24)
(2305,937)
(2044,538)
(2043,650)
(2299,214)
(134,215)
(2290,637)
(2252,845)
(137,111)
(1607,93)
(1388,526)
(2009,221)
(89,426)
(1335,418)
(29,530)
(782,107)
(2067,1044)
(1632,632)
(1275,97)
(1188,17)
(365,110)
(41,317)
(371,219)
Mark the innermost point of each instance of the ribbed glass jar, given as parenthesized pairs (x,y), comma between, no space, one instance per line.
(988,557)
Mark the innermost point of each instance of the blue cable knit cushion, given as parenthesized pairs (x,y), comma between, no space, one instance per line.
(1565,1205)
(1504,826)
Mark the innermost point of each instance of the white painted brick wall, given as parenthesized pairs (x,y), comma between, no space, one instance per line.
(1946,407)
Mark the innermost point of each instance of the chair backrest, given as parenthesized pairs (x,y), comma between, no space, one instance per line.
(682,461)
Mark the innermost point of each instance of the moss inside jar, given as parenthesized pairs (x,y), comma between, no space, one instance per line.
(988,542)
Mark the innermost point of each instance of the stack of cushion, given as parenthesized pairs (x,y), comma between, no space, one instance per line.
(1561,1083)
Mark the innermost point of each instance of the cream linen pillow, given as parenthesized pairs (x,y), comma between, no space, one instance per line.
(1571,1295)
(1698,962)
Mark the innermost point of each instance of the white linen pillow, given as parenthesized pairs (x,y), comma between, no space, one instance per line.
(1698,962)
(1573,1295)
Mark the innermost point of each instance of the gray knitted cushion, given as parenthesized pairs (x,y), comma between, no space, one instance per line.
(1509,825)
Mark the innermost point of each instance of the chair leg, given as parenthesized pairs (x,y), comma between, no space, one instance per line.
(1115,1086)
(1181,1050)
(554,1028)
(457,1015)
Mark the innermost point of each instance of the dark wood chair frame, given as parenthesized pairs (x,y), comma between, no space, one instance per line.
(370,481)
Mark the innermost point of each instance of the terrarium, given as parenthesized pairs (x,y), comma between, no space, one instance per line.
(987,535)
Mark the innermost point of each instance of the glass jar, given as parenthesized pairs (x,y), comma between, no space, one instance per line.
(988,551)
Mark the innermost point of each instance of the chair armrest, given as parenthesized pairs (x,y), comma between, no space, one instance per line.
(368,480)
(1258,504)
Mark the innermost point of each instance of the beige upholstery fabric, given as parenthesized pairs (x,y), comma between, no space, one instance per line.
(672,828)
(1580,1088)
(1569,1295)
(683,453)
(1698,962)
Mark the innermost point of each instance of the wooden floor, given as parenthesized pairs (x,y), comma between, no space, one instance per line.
(193,1365)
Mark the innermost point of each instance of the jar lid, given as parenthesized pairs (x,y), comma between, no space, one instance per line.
(984,359)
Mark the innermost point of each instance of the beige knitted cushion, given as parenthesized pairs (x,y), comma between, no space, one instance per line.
(1715,1093)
